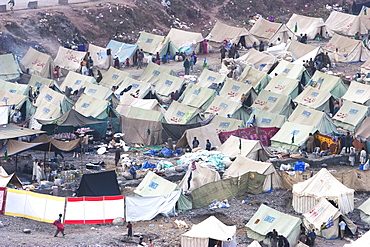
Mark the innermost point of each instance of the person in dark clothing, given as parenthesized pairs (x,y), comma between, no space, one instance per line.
(117,155)
(348,142)
(99,77)
(195,143)
(187,66)
(208,145)
(261,46)
(312,236)
(304,39)
(255,46)
(129,229)
(116,63)
(232,51)
(223,52)
(89,65)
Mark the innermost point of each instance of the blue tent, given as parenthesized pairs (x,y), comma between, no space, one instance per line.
(121,50)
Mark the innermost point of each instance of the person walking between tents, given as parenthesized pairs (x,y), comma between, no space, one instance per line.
(312,236)
(310,142)
(117,155)
(187,66)
(129,229)
(60,227)
(342,226)
(208,145)
(363,156)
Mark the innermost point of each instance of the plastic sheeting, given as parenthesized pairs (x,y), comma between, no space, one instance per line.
(2,199)
(146,208)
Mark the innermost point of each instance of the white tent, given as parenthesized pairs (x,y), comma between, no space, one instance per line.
(233,90)
(361,242)
(9,67)
(359,93)
(291,70)
(197,96)
(113,77)
(314,98)
(255,78)
(185,41)
(200,176)
(259,60)
(226,124)
(301,24)
(350,115)
(99,56)
(283,85)
(202,134)
(274,103)
(38,63)
(76,81)
(139,89)
(328,83)
(69,59)
(266,119)
(211,228)
(208,77)
(179,113)
(308,193)
(345,24)
(365,211)
(302,52)
(269,32)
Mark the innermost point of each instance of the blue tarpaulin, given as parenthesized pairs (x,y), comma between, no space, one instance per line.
(121,50)
(148,165)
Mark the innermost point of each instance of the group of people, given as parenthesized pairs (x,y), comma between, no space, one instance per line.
(307,238)
(196,143)
(189,63)
(277,240)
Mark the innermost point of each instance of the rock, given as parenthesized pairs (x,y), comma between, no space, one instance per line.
(118,221)
(28,231)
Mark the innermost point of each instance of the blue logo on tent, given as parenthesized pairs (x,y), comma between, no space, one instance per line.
(306,113)
(314,94)
(156,72)
(223,105)
(180,113)
(286,70)
(295,132)
(196,92)
(78,82)
(38,84)
(266,120)
(12,91)
(360,91)
(168,83)
(320,80)
(149,40)
(48,97)
(224,124)
(91,90)
(211,78)
(135,85)
(115,77)
(272,99)
(235,88)
(5,99)
(153,185)
(45,110)
(85,105)
(269,219)
(353,111)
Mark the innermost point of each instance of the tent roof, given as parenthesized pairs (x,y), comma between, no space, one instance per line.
(363,132)
(15,147)
(153,71)
(242,165)
(266,219)
(9,179)
(144,114)
(328,83)
(221,31)
(9,131)
(197,96)
(166,84)
(14,87)
(127,100)
(179,113)
(99,184)
(223,107)
(267,119)
(233,90)
(113,77)
(154,185)
(50,144)
(143,87)
(47,112)
(38,81)
(255,59)
(121,50)
(358,92)
(345,24)
(223,124)
(255,78)
(364,17)
(211,228)
(181,37)
(365,206)
(9,68)
(99,56)
(202,134)
(7,98)
(76,81)
(360,242)
(38,63)
(69,59)
(265,30)
(289,70)
(208,77)
(282,85)
(313,97)
(72,118)
(91,107)
(350,115)
(151,43)
(271,102)
(97,91)
(305,25)
(302,51)
(48,95)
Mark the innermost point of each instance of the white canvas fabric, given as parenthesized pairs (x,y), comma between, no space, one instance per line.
(233,90)
(350,116)
(153,71)
(359,93)
(139,89)
(152,43)
(197,96)
(363,132)
(113,77)
(179,113)
(314,98)
(266,119)
(202,134)
(223,107)
(76,81)
(224,124)
(99,56)
(283,85)
(9,68)
(289,70)
(269,32)
(208,77)
(259,60)
(14,88)
(363,241)
(69,59)
(38,63)
(97,91)
(92,107)
(345,24)
(302,52)
(274,103)
(328,83)
(182,38)
(306,25)
(154,185)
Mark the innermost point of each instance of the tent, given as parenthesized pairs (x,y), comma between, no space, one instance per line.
(285,86)
(76,81)
(197,96)
(153,71)
(9,67)
(97,91)
(142,132)
(269,32)
(144,114)
(226,124)
(365,211)
(363,132)
(152,43)
(350,116)
(328,83)
(99,184)
(38,63)
(14,88)
(175,131)
(302,52)
(254,244)
(99,56)
(122,50)
(364,17)
(154,185)
(349,50)
(266,219)
(322,185)
(325,213)
(291,136)
(46,143)
(345,24)
(242,165)
(266,119)
(315,98)
(311,26)
(202,134)
(179,113)
(274,103)
(251,149)
(69,59)
(308,116)
(10,131)
(262,61)
(224,107)
(139,89)
(185,41)
(7,99)
(39,82)
(360,242)
(14,147)
(50,96)
(165,84)
(233,90)
(47,112)
(6,179)
(127,101)
(208,232)
(291,70)
(358,93)
(236,35)
(257,79)
(365,67)
(71,118)
(113,77)
(92,107)
(208,78)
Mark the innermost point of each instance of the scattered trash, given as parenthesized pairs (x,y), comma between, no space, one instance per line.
(28,231)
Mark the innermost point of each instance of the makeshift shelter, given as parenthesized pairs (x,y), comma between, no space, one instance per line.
(209,78)
(325,213)
(122,50)
(328,83)
(360,242)
(142,132)
(9,67)
(152,43)
(350,116)
(266,119)
(76,81)
(99,56)
(14,147)
(302,52)
(185,41)
(269,32)
(226,124)
(322,185)
(316,99)
(139,89)
(202,134)
(308,116)
(345,24)
(179,113)
(285,86)
(242,165)
(69,59)
(349,50)
(291,136)
(201,175)
(262,61)
(113,77)
(363,131)
(165,84)
(50,96)
(255,78)
(365,67)
(46,143)
(197,96)
(311,26)
(251,149)
(233,90)
(39,82)
(154,185)
(266,219)
(93,107)
(365,211)
(224,107)
(10,131)
(364,17)
(291,70)
(236,35)
(38,63)
(153,71)
(274,103)
(358,93)
(71,118)
(208,233)
(99,184)
(6,179)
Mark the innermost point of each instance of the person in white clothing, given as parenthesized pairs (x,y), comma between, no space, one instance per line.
(34,169)
(342,226)
(363,156)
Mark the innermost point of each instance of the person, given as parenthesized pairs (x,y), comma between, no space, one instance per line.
(34,169)
(58,152)
(205,46)
(363,156)
(303,238)
(117,155)
(157,59)
(187,66)
(192,63)
(195,143)
(274,238)
(304,39)
(99,77)
(310,141)
(140,57)
(312,236)
(255,46)
(352,156)
(116,63)
(342,226)
(56,73)
(11,3)
(127,64)
(150,243)
(84,70)
(60,227)
(208,145)
(17,117)
(261,46)
(223,52)
(278,42)
(85,143)
(348,141)
(129,229)
(232,52)
(89,65)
